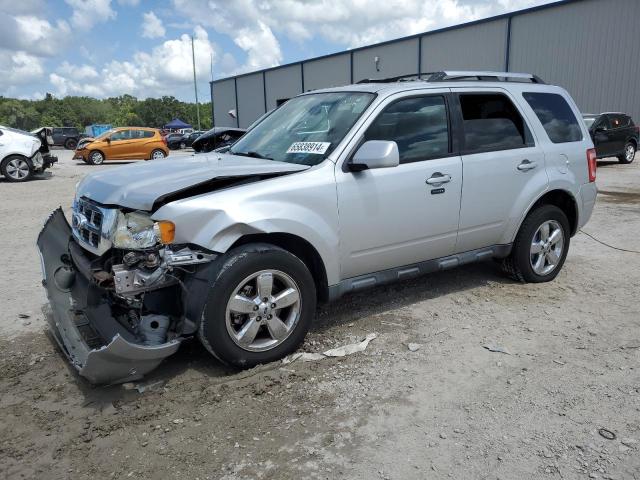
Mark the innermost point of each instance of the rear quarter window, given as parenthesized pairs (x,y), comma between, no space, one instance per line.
(556,116)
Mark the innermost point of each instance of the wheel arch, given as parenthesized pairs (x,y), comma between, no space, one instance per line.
(562,199)
(299,247)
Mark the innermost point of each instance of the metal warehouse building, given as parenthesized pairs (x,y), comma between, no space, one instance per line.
(590,47)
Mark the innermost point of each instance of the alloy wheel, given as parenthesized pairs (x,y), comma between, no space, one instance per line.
(629,153)
(157,155)
(17,168)
(547,247)
(263,310)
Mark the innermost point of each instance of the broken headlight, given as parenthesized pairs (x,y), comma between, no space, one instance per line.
(137,231)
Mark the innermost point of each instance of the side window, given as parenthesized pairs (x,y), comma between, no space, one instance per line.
(619,121)
(556,116)
(147,133)
(418,125)
(492,122)
(121,135)
(57,131)
(603,122)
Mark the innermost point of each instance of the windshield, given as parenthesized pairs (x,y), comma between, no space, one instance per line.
(589,121)
(104,134)
(304,130)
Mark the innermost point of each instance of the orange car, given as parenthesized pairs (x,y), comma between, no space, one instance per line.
(124,143)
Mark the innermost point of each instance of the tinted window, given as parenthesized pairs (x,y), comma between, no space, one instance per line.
(492,122)
(556,116)
(121,135)
(57,131)
(619,121)
(147,133)
(418,125)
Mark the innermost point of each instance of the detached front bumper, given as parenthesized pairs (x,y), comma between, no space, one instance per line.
(97,345)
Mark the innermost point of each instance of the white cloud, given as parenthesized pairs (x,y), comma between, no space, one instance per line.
(19,68)
(87,13)
(254,24)
(129,3)
(152,26)
(161,71)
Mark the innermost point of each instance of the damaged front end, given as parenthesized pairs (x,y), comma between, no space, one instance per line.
(117,314)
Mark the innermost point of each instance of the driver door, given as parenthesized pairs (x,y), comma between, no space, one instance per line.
(391,217)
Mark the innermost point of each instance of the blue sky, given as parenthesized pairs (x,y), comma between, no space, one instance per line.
(105,48)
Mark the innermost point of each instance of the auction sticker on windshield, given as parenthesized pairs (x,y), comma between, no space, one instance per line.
(309,147)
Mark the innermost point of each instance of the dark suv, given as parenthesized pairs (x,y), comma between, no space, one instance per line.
(66,137)
(614,135)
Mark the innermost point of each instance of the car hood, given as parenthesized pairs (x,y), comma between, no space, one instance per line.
(142,186)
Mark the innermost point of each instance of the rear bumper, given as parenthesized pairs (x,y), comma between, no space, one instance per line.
(96,344)
(588,194)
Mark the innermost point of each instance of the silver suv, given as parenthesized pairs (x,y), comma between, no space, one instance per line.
(337,190)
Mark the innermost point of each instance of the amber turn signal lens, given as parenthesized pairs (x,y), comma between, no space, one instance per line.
(167,231)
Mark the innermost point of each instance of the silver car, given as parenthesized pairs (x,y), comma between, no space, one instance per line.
(337,190)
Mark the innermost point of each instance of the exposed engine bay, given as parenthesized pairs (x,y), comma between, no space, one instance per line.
(119,314)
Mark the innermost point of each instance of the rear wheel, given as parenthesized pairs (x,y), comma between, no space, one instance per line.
(629,153)
(259,307)
(541,246)
(96,157)
(71,144)
(157,155)
(16,169)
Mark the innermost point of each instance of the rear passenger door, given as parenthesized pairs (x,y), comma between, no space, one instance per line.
(502,167)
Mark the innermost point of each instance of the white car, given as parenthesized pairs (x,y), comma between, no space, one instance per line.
(337,190)
(22,154)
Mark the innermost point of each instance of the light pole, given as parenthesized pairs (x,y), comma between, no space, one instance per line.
(195,85)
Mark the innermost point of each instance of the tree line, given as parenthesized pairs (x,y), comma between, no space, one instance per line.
(79,112)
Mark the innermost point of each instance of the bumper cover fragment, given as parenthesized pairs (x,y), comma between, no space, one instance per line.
(81,317)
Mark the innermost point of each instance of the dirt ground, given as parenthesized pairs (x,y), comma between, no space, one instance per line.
(450,409)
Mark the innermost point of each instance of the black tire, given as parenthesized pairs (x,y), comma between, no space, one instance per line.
(95,157)
(157,151)
(183,145)
(623,157)
(235,266)
(71,144)
(16,169)
(518,264)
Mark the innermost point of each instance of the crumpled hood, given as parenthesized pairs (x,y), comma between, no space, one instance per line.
(138,186)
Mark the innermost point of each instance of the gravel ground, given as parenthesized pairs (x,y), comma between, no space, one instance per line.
(448,409)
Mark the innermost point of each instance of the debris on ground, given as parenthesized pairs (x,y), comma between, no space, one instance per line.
(334,352)
(413,347)
(606,433)
(24,315)
(497,349)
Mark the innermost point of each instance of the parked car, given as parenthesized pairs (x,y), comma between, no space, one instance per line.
(337,190)
(217,137)
(614,135)
(179,140)
(23,154)
(66,137)
(125,143)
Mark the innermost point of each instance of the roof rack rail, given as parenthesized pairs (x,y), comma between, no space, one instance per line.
(450,76)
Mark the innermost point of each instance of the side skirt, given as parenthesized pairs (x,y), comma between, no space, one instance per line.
(391,275)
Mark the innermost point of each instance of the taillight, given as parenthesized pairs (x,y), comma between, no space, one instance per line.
(592,164)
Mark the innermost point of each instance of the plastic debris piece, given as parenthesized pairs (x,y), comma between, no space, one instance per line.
(351,348)
(413,347)
(496,349)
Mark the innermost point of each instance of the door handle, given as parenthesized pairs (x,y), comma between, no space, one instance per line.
(527,165)
(438,179)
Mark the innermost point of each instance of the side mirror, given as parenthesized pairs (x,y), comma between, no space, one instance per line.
(600,129)
(375,154)
(108,139)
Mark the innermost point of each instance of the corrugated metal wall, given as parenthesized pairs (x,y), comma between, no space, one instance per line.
(478,47)
(225,100)
(250,98)
(282,84)
(587,46)
(398,58)
(327,72)
(591,48)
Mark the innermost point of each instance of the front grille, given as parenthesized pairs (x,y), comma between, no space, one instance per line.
(91,225)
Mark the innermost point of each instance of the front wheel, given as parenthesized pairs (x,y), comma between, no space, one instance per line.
(16,169)
(96,157)
(629,153)
(71,144)
(259,307)
(157,155)
(541,246)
